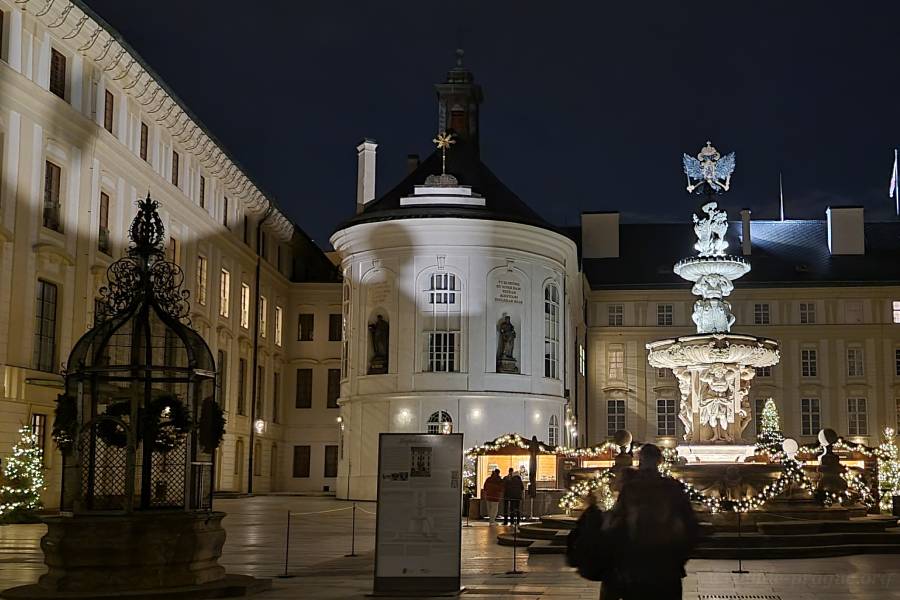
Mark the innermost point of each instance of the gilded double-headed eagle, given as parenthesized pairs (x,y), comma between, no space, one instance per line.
(709,167)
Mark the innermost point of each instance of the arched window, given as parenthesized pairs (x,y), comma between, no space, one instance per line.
(553,431)
(345,331)
(551,331)
(440,422)
(441,323)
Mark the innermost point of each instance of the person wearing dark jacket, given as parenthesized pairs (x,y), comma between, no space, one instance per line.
(492,492)
(656,529)
(513,489)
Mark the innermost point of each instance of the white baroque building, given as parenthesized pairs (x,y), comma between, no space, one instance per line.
(86,128)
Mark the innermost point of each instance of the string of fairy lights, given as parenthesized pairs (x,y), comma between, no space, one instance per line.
(792,474)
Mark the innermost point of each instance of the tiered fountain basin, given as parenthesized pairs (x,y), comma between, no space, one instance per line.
(730,267)
(705,349)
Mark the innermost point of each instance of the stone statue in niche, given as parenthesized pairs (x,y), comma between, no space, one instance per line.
(379,332)
(506,342)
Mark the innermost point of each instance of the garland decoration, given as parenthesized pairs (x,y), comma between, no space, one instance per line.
(211,426)
(165,421)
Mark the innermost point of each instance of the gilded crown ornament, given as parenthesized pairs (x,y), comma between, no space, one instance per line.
(443,141)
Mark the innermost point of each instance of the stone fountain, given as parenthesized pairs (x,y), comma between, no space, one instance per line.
(714,367)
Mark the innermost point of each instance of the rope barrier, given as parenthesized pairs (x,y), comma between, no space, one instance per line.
(366,511)
(320,512)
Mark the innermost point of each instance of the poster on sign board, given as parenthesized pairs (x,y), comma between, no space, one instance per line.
(418,530)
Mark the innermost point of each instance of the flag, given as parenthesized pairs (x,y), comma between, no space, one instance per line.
(894,192)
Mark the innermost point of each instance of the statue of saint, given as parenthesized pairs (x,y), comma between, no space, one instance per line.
(379,331)
(506,361)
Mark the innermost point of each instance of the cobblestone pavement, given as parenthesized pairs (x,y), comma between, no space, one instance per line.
(318,567)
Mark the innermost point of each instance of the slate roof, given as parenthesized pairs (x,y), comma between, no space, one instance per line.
(793,252)
(501,204)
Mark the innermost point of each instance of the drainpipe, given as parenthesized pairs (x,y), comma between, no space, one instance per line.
(255,360)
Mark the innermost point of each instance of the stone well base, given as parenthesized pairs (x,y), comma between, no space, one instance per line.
(108,554)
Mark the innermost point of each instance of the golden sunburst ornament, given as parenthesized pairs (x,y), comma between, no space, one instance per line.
(443,141)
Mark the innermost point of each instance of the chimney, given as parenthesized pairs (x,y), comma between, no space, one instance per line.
(846,230)
(600,235)
(365,174)
(412,163)
(745,232)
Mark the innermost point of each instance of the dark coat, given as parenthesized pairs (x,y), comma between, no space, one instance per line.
(513,487)
(493,488)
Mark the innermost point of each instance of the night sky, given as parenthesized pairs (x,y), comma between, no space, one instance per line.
(588,106)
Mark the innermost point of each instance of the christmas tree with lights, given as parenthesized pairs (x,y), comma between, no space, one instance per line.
(888,470)
(769,436)
(23,479)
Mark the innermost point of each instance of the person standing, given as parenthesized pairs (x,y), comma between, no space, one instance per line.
(492,492)
(513,487)
(657,529)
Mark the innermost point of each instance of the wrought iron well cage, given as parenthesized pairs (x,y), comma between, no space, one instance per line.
(139,420)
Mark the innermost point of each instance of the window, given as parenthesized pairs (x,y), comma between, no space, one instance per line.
(242,387)
(279,323)
(807,313)
(263,316)
(615,314)
(810,416)
(109,104)
(663,314)
(615,416)
(615,360)
(758,405)
(39,430)
(345,324)
(305,324)
(173,251)
(103,244)
(665,417)
(763,371)
(145,140)
(442,288)
(662,373)
(855,363)
(439,422)
(260,392)
(276,396)
(222,364)
(331,461)
(853,311)
(52,178)
(551,332)
(857,418)
(895,311)
(808,363)
(257,459)
(897,362)
(238,457)
(334,328)
(553,431)
(245,305)
(442,351)
(57,73)
(582,360)
(202,191)
(301,461)
(441,323)
(334,388)
(304,388)
(201,279)
(761,314)
(45,327)
(225,211)
(176,167)
(224,293)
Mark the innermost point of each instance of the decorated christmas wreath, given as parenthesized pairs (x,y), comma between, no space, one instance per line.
(211,426)
(165,421)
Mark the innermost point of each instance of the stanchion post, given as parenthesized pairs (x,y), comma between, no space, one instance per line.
(352,534)
(287,545)
(515,570)
(740,570)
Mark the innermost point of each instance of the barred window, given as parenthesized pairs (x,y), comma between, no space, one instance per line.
(808,363)
(442,351)
(761,314)
(57,73)
(665,417)
(615,315)
(439,422)
(664,314)
(615,416)
(551,332)
(441,323)
(443,288)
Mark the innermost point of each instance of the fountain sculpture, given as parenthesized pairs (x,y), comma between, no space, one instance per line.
(714,367)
